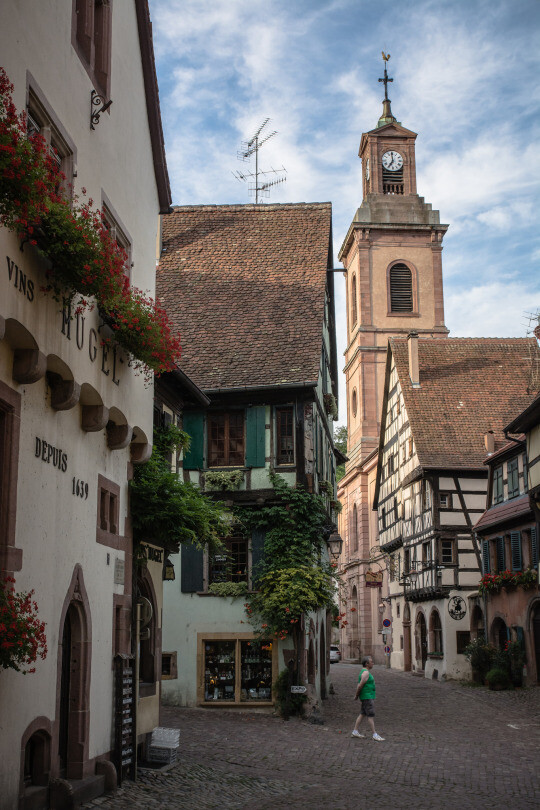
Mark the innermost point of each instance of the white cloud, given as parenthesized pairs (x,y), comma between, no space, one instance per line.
(497,309)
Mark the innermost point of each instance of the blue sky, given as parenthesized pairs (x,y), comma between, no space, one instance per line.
(465,79)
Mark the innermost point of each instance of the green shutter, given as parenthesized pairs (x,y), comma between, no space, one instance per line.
(257,554)
(191,568)
(193,424)
(501,561)
(255,436)
(515,546)
(485,556)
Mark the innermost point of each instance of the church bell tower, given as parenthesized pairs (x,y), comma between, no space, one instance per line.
(393,270)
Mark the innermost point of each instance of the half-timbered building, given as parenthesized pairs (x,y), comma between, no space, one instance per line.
(508,533)
(441,399)
(249,290)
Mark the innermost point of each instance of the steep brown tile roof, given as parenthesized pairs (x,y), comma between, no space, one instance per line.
(504,512)
(467,387)
(244,286)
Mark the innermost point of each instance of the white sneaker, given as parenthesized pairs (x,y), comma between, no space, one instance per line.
(378,737)
(356,733)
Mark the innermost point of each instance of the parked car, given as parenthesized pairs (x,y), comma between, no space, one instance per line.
(335,655)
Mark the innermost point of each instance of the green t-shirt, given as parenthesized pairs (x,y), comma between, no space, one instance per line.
(368,689)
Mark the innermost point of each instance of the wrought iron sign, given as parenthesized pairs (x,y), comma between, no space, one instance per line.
(457,607)
(98,105)
(374,579)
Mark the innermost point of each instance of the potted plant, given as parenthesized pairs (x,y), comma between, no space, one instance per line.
(480,654)
(498,679)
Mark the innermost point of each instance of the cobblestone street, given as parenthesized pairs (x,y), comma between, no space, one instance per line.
(446,746)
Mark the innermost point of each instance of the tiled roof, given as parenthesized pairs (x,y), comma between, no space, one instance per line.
(468,386)
(244,286)
(504,512)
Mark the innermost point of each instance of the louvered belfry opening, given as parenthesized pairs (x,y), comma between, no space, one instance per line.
(401,294)
(392,181)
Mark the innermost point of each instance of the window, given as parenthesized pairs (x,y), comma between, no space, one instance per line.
(426,553)
(406,561)
(237,670)
(500,554)
(91,38)
(436,632)
(284,436)
(401,291)
(232,565)
(169,666)
(354,530)
(118,235)
(354,402)
(445,500)
(463,638)
(108,506)
(498,492)
(513,478)
(447,552)
(40,122)
(226,439)
(354,307)
(427,495)
(10,409)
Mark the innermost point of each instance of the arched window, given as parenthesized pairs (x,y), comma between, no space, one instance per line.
(354,306)
(436,632)
(354,530)
(354,402)
(401,288)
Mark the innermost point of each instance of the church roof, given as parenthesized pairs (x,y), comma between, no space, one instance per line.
(244,285)
(468,386)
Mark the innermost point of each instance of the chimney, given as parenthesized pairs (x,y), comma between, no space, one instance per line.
(489,441)
(414,367)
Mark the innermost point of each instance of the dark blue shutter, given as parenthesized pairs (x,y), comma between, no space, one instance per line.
(255,436)
(193,424)
(500,554)
(191,568)
(257,555)
(515,545)
(534,547)
(485,556)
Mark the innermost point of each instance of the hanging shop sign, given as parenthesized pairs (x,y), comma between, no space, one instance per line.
(298,690)
(374,579)
(457,607)
(152,554)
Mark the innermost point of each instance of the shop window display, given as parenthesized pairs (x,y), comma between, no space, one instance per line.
(237,671)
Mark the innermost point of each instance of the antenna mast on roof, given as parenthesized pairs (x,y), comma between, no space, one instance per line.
(261,188)
(533,330)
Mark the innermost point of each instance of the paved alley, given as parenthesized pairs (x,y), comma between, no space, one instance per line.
(446,746)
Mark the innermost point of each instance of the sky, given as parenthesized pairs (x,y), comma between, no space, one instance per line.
(465,79)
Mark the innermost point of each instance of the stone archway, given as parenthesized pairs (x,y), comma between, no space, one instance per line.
(71,738)
(477,622)
(499,633)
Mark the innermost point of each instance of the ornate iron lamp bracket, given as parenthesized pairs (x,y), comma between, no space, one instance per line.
(97,106)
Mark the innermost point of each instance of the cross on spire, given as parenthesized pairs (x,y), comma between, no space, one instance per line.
(386,57)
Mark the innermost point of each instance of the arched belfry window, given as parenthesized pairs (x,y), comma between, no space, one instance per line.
(401,288)
(354,306)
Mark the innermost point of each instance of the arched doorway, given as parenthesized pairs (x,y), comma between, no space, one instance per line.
(71,737)
(421,639)
(407,656)
(499,633)
(536,637)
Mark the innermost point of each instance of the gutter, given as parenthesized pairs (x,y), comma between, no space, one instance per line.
(272,387)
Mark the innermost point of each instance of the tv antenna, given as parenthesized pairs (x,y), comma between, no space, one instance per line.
(261,187)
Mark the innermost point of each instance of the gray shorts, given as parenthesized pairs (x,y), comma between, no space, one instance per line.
(368,707)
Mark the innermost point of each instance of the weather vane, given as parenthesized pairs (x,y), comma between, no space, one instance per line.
(251,147)
(386,57)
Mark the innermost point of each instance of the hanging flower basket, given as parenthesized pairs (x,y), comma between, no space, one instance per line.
(492,583)
(83,263)
(22,634)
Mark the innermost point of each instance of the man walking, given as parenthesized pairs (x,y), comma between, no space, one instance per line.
(366,692)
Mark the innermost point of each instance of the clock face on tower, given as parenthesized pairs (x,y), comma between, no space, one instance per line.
(392,161)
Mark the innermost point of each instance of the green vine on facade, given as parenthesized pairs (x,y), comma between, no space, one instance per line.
(294,577)
(225,480)
(170,511)
(234,590)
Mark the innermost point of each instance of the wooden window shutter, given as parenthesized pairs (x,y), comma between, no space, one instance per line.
(193,424)
(534,547)
(500,554)
(191,568)
(401,297)
(255,436)
(485,556)
(515,545)
(257,555)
